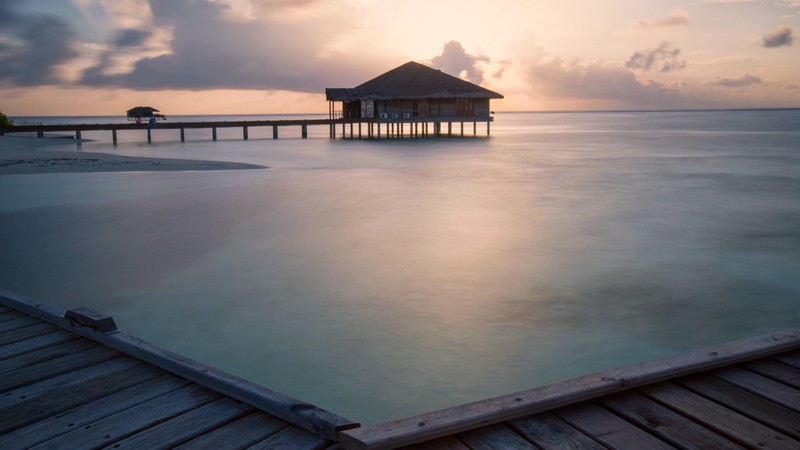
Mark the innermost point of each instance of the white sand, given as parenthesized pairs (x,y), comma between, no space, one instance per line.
(32,155)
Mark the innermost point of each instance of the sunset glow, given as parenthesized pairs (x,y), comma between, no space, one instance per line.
(94,57)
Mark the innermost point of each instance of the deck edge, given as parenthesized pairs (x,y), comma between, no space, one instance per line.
(294,411)
(449,421)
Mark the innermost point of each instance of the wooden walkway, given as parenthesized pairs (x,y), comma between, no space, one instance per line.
(72,380)
(67,385)
(739,395)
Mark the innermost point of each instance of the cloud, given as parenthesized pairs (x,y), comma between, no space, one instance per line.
(782,37)
(131,38)
(675,18)
(743,81)
(456,61)
(664,58)
(552,77)
(32,46)
(214,47)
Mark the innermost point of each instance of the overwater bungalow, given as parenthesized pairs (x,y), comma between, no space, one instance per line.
(145,112)
(413,93)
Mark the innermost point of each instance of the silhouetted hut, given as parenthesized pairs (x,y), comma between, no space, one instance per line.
(144,112)
(413,91)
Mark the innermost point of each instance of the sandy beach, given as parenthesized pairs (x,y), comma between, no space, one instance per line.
(31,155)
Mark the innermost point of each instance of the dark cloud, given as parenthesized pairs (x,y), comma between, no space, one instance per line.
(664,58)
(33,47)
(676,18)
(743,81)
(782,37)
(553,77)
(131,38)
(210,51)
(455,61)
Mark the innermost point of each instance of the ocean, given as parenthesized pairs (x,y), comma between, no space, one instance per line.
(380,279)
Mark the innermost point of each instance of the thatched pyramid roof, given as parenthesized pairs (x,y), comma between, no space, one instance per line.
(412,80)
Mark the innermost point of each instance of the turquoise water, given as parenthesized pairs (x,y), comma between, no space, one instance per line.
(380,279)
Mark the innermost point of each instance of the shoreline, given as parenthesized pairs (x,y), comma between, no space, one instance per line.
(24,155)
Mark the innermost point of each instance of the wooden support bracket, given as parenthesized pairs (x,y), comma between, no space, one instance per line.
(92,319)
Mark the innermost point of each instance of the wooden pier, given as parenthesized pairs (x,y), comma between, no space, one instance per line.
(72,380)
(358,128)
(739,395)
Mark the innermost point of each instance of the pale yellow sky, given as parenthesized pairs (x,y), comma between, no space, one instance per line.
(98,57)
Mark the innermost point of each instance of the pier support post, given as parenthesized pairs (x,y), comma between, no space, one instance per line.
(304,131)
(449,128)
(462,128)
(213,133)
(474,128)
(149,137)
(487,127)
(183,136)
(77,134)
(114,137)
(244,132)
(40,134)
(274,132)
(359,130)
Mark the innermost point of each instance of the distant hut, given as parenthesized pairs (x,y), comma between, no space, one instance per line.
(413,91)
(145,112)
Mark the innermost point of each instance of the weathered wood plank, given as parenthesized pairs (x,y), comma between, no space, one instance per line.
(719,418)
(54,367)
(186,426)
(238,434)
(445,443)
(494,437)
(44,354)
(776,370)
(52,396)
(760,385)
(125,423)
(56,425)
(746,403)
(55,337)
(19,334)
(551,433)
(790,358)
(294,438)
(297,412)
(9,314)
(18,322)
(665,423)
(450,421)
(608,428)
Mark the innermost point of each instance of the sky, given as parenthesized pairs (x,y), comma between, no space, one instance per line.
(102,57)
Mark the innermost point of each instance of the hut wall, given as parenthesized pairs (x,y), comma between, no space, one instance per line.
(481,107)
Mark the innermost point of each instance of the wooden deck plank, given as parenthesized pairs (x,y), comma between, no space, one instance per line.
(746,403)
(776,370)
(292,437)
(790,358)
(451,421)
(19,334)
(608,428)
(19,322)
(239,434)
(9,314)
(719,418)
(45,354)
(58,424)
(760,385)
(55,395)
(54,367)
(668,425)
(494,437)
(186,426)
(125,423)
(54,337)
(551,433)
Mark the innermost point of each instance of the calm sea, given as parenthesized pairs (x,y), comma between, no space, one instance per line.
(380,279)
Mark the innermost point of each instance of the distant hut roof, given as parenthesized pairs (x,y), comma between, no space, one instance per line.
(412,80)
(142,111)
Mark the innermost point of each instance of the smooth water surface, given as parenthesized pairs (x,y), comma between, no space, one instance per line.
(379,279)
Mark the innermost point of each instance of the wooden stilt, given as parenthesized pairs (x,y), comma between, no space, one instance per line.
(244,133)
(149,137)
(274,132)
(213,133)
(77,134)
(304,131)
(114,137)
(183,136)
